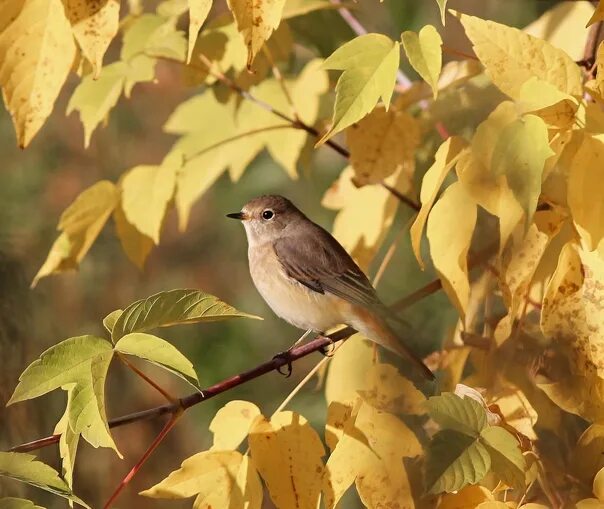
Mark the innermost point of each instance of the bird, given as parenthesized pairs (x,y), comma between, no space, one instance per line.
(309,280)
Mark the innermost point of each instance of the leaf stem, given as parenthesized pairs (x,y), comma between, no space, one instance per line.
(153,384)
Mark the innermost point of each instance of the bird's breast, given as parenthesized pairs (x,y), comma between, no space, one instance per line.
(289,299)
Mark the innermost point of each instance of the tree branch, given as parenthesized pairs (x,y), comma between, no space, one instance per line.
(296,353)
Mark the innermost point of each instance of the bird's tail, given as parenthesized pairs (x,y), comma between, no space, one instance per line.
(380,327)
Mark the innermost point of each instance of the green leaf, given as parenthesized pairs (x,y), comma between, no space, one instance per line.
(78,365)
(94,98)
(454,460)
(506,457)
(25,468)
(425,55)
(111,318)
(17,503)
(159,352)
(68,445)
(174,307)
(370,63)
(520,155)
(464,415)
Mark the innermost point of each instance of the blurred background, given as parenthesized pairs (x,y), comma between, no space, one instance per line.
(37,184)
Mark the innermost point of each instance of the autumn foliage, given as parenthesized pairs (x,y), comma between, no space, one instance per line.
(509,214)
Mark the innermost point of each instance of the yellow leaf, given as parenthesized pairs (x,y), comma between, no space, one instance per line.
(449,246)
(456,72)
(563,26)
(589,503)
(94,98)
(256,20)
(588,454)
(381,143)
(573,309)
(445,158)
(81,224)
(146,191)
(338,414)
(218,478)
(599,485)
(517,411)
(371,451)
(370,63)
(198,12)
(364,214)
(585,197)
(598,15)
(556,108)
(135,244)
(599,80)
(231,424)
(37,51)
(287,453)
(424,53)
(442,7)
(94,25)
(467,498)
(387,390)
(511,57)
(348,369)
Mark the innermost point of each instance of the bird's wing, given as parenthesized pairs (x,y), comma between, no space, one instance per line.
(316,260)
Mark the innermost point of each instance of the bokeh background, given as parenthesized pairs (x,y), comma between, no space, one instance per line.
(38,183)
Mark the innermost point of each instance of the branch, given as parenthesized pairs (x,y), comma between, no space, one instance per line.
(591,48)
(298,352)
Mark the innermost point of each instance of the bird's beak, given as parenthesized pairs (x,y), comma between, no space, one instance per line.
(237,215)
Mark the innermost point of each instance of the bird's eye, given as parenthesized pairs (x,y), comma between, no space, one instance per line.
(268,214)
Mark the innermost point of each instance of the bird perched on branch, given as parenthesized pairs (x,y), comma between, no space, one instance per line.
(308,278)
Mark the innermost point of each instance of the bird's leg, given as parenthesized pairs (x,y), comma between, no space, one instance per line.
(286,355)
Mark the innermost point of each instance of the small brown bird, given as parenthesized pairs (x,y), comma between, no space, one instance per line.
(309,279)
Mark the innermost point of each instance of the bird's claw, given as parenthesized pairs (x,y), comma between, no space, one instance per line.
(286,356)
(328,349)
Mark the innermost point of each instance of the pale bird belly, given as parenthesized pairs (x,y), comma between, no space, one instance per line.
(292,301)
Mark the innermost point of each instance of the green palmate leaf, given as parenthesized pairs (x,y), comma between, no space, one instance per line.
(520,155)
(159,352)
(68,445)
(507,460)
(369,63)
(454,460)
(172,308)
(80,223)
(25,468)
(94,98)
(78,365)
(111,318)
(424,53)
(464,415)
(17,503)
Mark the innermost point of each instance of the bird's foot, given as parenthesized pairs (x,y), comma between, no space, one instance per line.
(327,350)
(285,356)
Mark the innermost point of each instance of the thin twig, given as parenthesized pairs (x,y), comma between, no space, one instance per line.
(280,80)
(459,53)
(158,439)
(405,199)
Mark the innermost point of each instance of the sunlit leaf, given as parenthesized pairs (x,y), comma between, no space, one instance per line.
(68,445)
(554,107)
(79,366)
(449,246)
(110,319)
(295,8)
(146,191)
(135,244)
(25,468)
(218,478)
(159,352)
(467,498)
(256,21)
(381,143)
(287,452)
(94,25)
(231,424)
(172,308)
(81,224)
(511,57)
(94,97)
(423,50)
(198,12)
(369,63)
(584,199)
(17,503)
(444,160)
(37,41)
